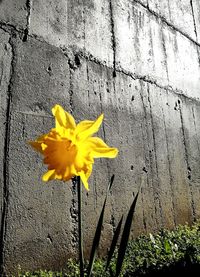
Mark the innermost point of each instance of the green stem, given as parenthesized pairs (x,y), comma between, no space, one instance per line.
(80,233)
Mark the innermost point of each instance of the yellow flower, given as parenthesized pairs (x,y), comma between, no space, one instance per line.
(69,149)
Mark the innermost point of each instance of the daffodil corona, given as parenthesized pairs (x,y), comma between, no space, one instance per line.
(69,149)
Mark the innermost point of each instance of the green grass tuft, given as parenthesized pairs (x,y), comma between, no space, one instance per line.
(148,253)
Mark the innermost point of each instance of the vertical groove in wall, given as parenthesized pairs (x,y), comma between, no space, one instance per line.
(71,104)
(84,24)
(169,169)
(142,178)
(157,197)
(169,9)
(73,208)
(195,28)
(113,219)
(164,51)
(189,176)
(150,158)
(6,162)
(1,75)
(74,216)
(113,38)
(143,213)
(151,45)
(94,186)
(195,126)
(166,22)
(28,8)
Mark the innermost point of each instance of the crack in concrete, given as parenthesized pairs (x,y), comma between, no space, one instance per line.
(6,163)
(164,20)
(189,176)
(113,39)
(26,31)
(145,78)
(9,28)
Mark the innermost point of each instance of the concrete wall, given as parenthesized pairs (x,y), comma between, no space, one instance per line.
(136,61)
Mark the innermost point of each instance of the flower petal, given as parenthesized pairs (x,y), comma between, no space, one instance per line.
(49,175)
(63,118)
(38,144)
(88,128)
(84,179)
(83,125)
(99,149)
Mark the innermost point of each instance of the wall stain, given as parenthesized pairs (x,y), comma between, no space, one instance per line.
(189,173)
(169,168)
(166,22)
(149,159)
(156,194)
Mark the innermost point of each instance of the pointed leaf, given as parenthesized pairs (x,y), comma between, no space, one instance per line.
(96,240)
(125,236)
(111,183)
(114,243)
(80,229)
(97,235)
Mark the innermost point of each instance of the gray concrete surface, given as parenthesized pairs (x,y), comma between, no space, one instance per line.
(135,61)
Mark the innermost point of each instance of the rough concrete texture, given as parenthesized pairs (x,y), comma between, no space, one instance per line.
(135,61)
(82,24)
(178,14)
(146,47)
(14,12)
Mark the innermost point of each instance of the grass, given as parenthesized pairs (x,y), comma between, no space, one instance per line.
(164,254)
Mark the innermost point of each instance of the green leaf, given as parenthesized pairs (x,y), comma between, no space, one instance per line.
(110,184)
(125,236)
(114,243)
(80,231)
(97,235)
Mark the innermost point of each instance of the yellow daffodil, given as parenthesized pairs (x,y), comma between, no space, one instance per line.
(69,149)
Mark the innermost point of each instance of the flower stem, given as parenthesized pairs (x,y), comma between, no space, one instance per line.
(80,233)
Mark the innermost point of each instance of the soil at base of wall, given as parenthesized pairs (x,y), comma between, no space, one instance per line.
(182,268)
